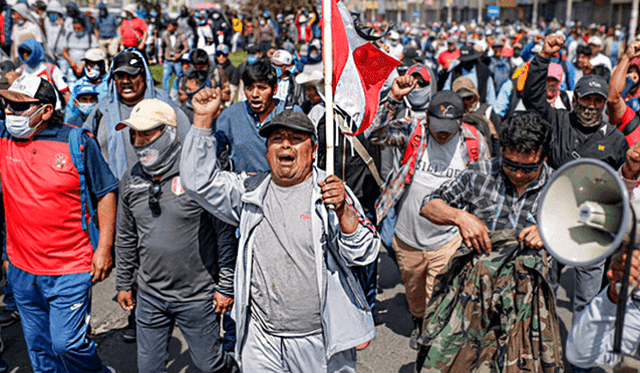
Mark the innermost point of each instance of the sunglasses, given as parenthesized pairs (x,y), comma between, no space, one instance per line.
(526,168)
(155,189)
(17,107)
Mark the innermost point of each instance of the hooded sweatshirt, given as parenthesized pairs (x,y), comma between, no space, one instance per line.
(103,120)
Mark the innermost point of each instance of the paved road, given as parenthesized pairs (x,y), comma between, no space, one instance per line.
(388,352)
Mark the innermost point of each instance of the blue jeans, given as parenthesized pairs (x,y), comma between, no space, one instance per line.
(55,313)
(168,69)
(198,323)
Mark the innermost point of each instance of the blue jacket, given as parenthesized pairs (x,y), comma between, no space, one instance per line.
(346,317)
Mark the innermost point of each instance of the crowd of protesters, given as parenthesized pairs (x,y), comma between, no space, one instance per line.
(206,191)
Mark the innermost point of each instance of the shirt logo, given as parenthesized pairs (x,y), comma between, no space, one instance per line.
(60,161)
(601,148)
(176,186)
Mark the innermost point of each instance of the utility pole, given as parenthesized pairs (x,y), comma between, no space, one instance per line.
(569,17)
(449,11)
(480,8)
(534,21)
(633,24)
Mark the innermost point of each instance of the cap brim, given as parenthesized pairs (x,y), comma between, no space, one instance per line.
(131,70)
(17,97)
(469,57)
(464,93)
(266,130)
(590,92)
(444,125)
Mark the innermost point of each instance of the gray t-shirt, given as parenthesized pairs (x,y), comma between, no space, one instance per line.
(284,288)
(439,164)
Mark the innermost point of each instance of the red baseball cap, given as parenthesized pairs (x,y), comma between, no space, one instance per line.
(420,70)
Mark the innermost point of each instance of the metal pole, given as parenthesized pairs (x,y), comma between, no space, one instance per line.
(534,21)
(480,8)
(449,11)
(633,24)
(569,11)
(328,79)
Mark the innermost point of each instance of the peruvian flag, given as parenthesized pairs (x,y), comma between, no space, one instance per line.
(359,71)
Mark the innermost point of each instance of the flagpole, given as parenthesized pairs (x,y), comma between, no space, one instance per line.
(327,51)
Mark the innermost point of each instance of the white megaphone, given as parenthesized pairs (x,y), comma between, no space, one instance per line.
(585,214)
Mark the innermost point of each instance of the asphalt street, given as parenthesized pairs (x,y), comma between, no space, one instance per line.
(388,352)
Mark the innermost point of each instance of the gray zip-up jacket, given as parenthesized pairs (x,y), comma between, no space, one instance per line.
(235,199)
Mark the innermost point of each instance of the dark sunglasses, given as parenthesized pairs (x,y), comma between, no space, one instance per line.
(155,189)
(17,107)
(526,168)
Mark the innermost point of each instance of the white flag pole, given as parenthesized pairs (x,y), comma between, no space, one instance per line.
(327,51)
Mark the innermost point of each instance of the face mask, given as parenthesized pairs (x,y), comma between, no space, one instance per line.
(394,42)
(53,17)
(158,156)
(20,22)
(419,98)
(79,34)
(261,23)
(314,54)
(252,58)
(18,125)
(92,72)
(587,115)
(85,109)
(203,22)
(216,15)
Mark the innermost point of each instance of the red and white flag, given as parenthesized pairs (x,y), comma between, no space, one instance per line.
(359,71)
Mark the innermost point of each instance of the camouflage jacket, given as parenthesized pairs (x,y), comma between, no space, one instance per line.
(493,313)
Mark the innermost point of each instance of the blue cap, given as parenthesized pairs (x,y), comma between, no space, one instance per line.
(266,14)
(223,48)
(102,5)
(86,88)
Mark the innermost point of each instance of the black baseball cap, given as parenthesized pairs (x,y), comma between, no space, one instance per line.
(591,84)
(289,119)
(445,112)
(467,53)
(128,62)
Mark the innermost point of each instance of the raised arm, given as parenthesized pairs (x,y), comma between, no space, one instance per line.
(217,191)
(616,104)
(535,90)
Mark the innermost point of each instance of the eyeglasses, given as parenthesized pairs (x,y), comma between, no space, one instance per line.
(17,107)
(526,168)
(155,190)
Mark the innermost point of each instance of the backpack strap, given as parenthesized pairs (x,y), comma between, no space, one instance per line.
(414,146)
(76,148)
(473,146)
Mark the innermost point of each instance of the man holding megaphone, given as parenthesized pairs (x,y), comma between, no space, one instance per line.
(580,133)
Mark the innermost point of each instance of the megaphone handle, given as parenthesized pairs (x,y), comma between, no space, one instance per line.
(623,294)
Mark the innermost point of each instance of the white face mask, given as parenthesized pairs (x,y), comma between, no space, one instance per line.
(18,125)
